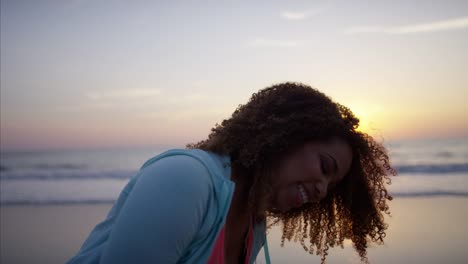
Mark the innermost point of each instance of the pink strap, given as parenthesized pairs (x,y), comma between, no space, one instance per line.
(217,254)
(249,243)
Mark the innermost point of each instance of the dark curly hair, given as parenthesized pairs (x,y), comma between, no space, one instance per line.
(276,121)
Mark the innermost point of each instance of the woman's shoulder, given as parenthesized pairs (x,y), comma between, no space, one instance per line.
(199,162)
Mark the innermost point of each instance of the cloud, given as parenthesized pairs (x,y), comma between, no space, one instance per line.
(295,15)
(123,94)
(143,100)
(450,24)
(261,42)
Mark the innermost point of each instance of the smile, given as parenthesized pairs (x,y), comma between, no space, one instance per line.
(302,193)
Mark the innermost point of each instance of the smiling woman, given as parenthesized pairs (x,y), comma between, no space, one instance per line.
(289,155)
(305,164)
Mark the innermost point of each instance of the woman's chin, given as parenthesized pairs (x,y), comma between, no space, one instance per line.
(282,208)
(275,210)
(283,202)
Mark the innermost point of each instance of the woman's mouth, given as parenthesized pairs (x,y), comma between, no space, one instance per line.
(302,196)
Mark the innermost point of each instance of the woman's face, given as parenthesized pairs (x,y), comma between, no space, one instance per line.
(307,174)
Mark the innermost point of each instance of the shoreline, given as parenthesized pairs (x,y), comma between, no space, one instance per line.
(400,196)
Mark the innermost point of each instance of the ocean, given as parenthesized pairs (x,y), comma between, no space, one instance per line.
(426,168)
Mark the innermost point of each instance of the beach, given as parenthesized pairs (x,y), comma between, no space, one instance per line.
(422,230)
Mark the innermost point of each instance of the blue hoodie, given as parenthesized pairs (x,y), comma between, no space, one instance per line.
(171,211)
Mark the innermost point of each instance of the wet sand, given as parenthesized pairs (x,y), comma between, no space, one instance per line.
(45,233)
(422,230)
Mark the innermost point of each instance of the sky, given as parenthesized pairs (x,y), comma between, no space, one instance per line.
(88,74)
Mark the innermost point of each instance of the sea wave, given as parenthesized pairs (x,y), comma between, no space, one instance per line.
(430,194)
(433,168)
(65,174)
(73,172)
(56,202)
(422,194)
(44,166)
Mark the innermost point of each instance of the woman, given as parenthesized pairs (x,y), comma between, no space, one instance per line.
(290,155)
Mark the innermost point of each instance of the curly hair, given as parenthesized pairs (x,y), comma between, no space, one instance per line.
(275,122)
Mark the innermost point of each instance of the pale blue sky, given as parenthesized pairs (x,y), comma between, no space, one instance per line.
(104,73)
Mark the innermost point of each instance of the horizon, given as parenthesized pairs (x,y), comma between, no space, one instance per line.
(93,74)
(162,147)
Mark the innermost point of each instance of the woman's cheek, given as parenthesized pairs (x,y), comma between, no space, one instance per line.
(285,199)
(278,200)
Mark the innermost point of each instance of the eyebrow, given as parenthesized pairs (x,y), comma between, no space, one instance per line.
(335,165)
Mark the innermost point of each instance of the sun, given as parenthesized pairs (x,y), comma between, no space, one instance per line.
(365,116)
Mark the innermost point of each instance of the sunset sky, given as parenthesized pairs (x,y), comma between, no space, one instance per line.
(86,74)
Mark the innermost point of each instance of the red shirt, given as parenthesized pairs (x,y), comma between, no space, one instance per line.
(217,254)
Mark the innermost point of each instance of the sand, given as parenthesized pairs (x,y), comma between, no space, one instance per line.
(45,233)
(422,230)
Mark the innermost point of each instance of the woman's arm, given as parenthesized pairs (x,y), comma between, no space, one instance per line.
(162,214)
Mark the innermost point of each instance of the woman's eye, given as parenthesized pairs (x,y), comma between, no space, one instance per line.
(322,165)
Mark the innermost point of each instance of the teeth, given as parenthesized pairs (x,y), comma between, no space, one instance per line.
(303,193)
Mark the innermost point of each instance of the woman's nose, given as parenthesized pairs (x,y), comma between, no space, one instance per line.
(321,189)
